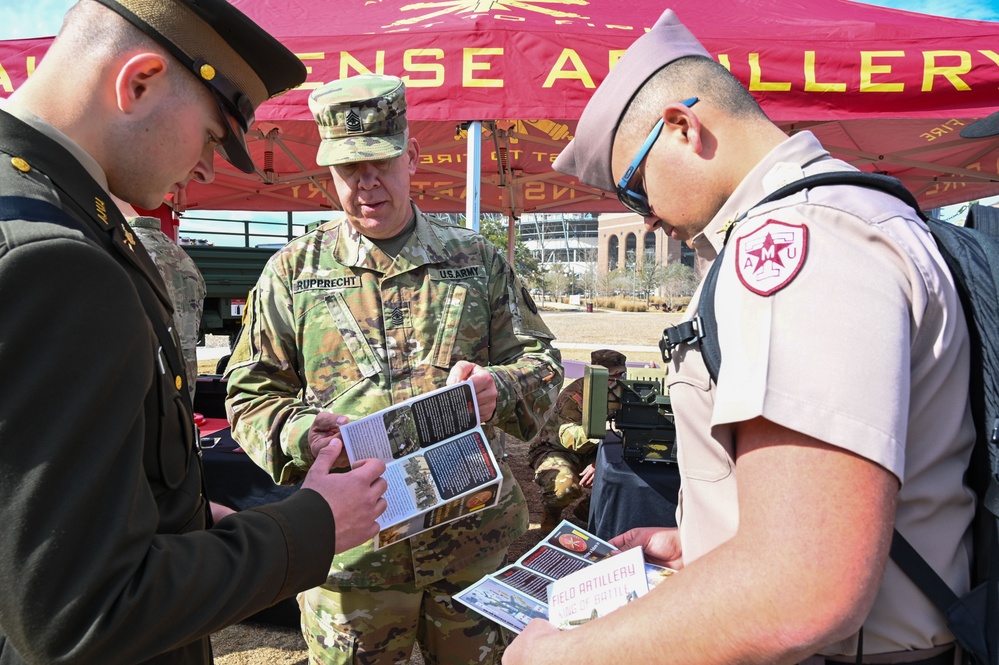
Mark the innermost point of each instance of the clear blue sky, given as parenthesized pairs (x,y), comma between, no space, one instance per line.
(38,18)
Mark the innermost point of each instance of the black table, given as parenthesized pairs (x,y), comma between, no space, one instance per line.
(234,480)
(628,494)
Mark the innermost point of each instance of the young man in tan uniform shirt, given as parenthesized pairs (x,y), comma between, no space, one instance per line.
(841,409)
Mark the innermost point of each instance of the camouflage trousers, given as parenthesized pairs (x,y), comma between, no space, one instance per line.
(557,474)
(378,626)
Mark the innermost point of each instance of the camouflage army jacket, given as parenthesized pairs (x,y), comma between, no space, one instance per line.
(336,324)
(184,283)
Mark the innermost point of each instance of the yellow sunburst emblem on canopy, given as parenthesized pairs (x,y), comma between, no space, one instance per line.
(433,10)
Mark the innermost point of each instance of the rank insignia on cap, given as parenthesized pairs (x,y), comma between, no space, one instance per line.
(353,121)
(768,258)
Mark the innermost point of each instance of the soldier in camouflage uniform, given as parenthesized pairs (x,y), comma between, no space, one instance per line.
(360,314)
(185,284)
(561,454)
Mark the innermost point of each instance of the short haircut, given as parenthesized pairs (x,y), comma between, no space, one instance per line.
(91,27)
(691,76)
(92,30)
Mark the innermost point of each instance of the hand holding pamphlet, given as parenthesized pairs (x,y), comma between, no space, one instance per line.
(568,578)
(439,465)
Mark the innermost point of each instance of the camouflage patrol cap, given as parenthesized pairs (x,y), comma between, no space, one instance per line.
(361,118)
(588,155)
(608,358)
(232,56)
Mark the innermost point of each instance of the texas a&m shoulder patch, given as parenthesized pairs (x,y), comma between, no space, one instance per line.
(767,259)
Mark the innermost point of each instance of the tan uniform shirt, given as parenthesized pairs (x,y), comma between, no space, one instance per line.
(838,319)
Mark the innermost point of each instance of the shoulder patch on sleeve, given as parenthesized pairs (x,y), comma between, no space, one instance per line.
(528,300)
(768,258)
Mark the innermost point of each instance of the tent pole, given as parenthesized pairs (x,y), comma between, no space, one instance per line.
(473,175)
(510,237)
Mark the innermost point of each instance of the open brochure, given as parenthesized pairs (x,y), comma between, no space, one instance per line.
(439,465)
(568,578)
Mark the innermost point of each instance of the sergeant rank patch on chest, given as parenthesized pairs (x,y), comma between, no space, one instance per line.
(767,259)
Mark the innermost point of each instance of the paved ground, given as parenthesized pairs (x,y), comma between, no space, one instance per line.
(577,333)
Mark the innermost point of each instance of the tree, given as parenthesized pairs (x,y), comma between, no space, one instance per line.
(590,278)
(605,283)
(561,277)
(542,281)
(619,281)
(631,271)
(678,281)
(494,229)
(649,276)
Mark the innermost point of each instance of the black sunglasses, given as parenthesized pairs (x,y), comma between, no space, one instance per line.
(636,200)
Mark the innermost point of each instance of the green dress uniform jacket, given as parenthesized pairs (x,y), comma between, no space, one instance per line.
(104,553)
(336,324)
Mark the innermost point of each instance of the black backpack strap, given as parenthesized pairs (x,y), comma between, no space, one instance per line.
(965,614)
(710,348)
(703,329)
(915,566)
(884,183)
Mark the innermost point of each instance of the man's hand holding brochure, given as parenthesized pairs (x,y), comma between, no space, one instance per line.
(568,578)
(439,465)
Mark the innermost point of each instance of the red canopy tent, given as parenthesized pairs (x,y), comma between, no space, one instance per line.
(884,89)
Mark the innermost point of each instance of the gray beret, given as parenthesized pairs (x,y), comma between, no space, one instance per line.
(588,155)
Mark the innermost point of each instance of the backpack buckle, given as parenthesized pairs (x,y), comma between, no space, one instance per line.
(994,439)
(687,332)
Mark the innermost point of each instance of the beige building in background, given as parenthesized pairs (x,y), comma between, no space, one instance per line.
(619,234)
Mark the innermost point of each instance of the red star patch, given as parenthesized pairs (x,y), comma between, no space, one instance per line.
(768,258)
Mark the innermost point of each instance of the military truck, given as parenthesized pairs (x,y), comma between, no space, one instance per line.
(230,273)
